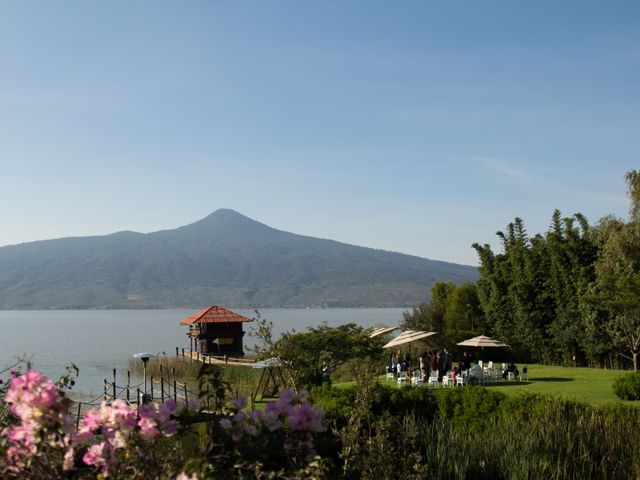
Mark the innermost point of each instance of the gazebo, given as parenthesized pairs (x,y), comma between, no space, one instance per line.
(216,331)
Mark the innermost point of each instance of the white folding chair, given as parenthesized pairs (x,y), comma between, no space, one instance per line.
(402,378)
(433,381)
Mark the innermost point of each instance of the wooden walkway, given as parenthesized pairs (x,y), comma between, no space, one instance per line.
(213,359)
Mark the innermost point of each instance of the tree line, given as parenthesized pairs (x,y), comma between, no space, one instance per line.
(568,296)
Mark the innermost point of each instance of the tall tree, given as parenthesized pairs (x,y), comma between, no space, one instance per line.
(618,274)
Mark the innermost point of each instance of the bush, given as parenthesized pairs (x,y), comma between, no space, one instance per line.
(468,406)
(336,402)
(627,387)
(400,402)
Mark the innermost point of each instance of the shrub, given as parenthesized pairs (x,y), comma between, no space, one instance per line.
(627,387)
(336,402)
(468,406)
(400,402)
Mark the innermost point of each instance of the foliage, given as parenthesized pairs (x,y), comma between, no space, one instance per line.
(618,277)
(262,330)
(454,312)
(532,293)
(306,354)
(336,402)
(156,441)
(627,387)
(468,406)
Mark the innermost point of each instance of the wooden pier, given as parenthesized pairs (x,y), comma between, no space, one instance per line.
(213,359)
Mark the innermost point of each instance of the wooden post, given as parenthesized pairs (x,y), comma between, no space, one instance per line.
(175,390)
(138,402)
(128,386)
(115,394)
(177,350)
(104,384)
(186,397)
(151,387)
(161,388)
(78,420)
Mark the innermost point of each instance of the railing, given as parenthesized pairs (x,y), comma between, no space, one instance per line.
(213,359)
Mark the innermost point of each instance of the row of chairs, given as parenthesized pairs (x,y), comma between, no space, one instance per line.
(489,376)
(447,380)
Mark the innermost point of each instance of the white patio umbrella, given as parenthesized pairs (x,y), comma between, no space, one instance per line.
(404,334)
(381,331)
(483,341)
(408,337)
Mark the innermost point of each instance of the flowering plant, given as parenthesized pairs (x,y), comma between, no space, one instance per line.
(117,440)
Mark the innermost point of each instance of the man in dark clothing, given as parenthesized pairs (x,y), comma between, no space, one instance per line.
(445,362)
(466,361)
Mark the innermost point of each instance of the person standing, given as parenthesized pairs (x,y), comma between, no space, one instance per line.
(445,363)
(466,361)
(434,362)
(394,365)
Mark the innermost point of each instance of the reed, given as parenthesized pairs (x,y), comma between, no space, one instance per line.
(545,438)
(243,380)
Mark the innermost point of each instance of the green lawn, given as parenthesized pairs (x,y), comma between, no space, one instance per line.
(588,385)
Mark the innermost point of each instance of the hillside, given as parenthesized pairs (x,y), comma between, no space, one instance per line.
(226,259)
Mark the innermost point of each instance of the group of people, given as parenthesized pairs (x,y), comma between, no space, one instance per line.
(436,362)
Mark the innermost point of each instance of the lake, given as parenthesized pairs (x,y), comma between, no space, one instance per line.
(99,340)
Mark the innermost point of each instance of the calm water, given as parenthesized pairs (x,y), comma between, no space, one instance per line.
(99,340)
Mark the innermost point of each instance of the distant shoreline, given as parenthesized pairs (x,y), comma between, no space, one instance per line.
(267,307)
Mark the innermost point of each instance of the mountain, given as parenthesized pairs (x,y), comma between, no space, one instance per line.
(225,258)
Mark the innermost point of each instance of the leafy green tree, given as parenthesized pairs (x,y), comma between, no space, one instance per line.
(531,293)
(618,275)
(430,316)
(305,354)
(463,315)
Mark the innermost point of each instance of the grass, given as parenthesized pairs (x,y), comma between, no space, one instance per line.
(588,385)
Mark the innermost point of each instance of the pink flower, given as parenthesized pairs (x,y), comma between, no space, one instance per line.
(183,476)
(168,408)
(95,455)
(305,417)
(68,460)
(148,428)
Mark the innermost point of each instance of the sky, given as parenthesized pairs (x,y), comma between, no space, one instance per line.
(417,127)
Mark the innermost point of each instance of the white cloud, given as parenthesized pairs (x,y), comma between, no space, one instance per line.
(505,167)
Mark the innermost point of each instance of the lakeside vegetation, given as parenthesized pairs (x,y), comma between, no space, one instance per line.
(570,296)
(567,302)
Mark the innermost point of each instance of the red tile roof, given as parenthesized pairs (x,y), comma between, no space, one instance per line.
(214,314)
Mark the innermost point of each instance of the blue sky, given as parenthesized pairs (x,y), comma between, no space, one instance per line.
(418,127)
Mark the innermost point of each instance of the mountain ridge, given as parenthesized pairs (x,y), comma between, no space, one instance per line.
(224,258)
